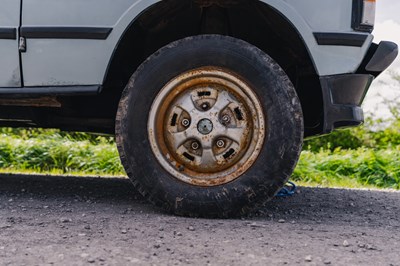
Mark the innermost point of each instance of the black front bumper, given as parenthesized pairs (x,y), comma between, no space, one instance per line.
(344,94)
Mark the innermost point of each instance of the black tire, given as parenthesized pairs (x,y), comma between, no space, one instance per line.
(276,160)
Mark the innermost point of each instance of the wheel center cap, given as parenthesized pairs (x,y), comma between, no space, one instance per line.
(205,126)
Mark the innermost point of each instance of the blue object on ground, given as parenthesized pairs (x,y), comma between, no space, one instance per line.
(288,190)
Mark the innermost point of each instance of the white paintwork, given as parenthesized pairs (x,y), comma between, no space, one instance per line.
(311,16)
(84,62)
(9,56)
(71,62)
(62,63)
(326,15)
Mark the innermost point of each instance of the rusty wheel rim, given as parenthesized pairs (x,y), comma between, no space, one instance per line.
(206,127)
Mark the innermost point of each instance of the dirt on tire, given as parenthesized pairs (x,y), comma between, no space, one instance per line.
(102,221)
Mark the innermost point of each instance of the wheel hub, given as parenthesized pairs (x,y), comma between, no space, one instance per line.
(206,127)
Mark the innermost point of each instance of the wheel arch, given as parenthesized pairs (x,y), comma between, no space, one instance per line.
(162,22)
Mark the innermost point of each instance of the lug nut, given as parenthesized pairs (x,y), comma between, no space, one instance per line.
(195,145)
(220,143)
(226,118)
(205,106)
(185,122)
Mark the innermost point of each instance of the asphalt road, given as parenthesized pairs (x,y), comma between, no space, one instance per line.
(101,221)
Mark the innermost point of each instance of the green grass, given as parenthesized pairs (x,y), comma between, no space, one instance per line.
(356,158)
(42,151)
(362,167)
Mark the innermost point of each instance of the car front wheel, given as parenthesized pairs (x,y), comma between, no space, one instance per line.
(209,126)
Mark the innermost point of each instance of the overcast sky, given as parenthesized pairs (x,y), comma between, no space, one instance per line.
(387,9)
(387,27)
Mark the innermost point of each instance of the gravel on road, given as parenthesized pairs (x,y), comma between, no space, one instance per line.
(65,220)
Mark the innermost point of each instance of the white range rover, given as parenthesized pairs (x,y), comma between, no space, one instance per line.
(209,100)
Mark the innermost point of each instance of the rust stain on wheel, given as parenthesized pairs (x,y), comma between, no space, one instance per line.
(206,127)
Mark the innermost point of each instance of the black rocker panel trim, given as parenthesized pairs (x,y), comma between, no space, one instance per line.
(340,39)
(8,33)
(47,91)
(66,32)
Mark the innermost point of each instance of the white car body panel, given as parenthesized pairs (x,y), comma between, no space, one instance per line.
(53,62)
(68,61)
(310,16)
(10,75)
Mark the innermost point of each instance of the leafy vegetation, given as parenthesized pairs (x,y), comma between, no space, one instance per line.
(360,137)
(362,167)
(347,158)
(40,150)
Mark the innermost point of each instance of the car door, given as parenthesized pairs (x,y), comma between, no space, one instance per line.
(10,75)
(68,42)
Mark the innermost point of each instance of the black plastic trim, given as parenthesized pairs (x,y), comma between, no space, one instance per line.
(343,95)
(340,39)
(49,91)
(66,33)
(357,17)
(8,33)
(383,57)
(378,58)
